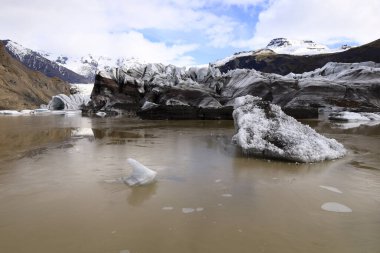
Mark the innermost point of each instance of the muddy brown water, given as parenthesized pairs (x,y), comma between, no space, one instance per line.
(60,190)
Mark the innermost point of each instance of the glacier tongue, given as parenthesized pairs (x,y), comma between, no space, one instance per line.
(264,130)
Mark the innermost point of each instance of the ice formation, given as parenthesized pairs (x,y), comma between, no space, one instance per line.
(141,175)
(72,102)
(264,130)
(355,116)
(336,207)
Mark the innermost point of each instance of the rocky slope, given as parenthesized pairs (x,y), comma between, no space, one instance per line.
(22,88)
(36,61)
(267,60)
(159,91)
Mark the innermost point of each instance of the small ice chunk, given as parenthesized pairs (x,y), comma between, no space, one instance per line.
(336,207)
(218,180)
(10,112)
(167,208)
(149,105)
(124,251)
(101,114)
(141,175)
(227,195)
(199,209)
(26,111)
(41,110)
(330,188)
(187,210)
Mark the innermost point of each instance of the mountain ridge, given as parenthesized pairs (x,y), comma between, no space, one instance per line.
(283,64)
(36,61)
(22,88)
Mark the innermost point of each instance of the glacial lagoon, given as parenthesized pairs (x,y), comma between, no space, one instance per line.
(61,189)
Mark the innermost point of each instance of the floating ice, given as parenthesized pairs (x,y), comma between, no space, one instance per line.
(141,175)
(101,114)
(218,180)
(330,188)
(167,208)
(227,195)
(336,207)
(188,210)
(82,132)
(264,130)
(10,112)
(26,112)
(41,110)
(199,209)
(355,116)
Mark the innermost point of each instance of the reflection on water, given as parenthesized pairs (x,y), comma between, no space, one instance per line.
(61,190)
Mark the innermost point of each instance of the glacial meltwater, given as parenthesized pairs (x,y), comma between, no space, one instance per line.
(62,190)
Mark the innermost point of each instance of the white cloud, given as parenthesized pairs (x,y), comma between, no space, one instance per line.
(116,27)
(328,21)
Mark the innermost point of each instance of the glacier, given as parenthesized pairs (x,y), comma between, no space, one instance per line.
(72,102)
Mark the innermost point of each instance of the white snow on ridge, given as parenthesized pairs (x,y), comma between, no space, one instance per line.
(285,46)
(229,58)
(299,47)
(89,65)
(17,49)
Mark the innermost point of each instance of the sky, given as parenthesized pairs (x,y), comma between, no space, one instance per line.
(183,32)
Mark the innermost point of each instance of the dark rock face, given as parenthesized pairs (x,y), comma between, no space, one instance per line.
(37,62)
(180,112)
(166,92)
(284,64)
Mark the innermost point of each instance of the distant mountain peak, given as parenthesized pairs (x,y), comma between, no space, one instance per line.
(297,47)
(43,62)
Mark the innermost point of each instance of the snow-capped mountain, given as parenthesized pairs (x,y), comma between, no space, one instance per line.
(89,65)
(285,46)
(37,61)
(298,47)
(70,69)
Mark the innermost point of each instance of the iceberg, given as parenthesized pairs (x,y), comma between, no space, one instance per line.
(141,175)
(264,130)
